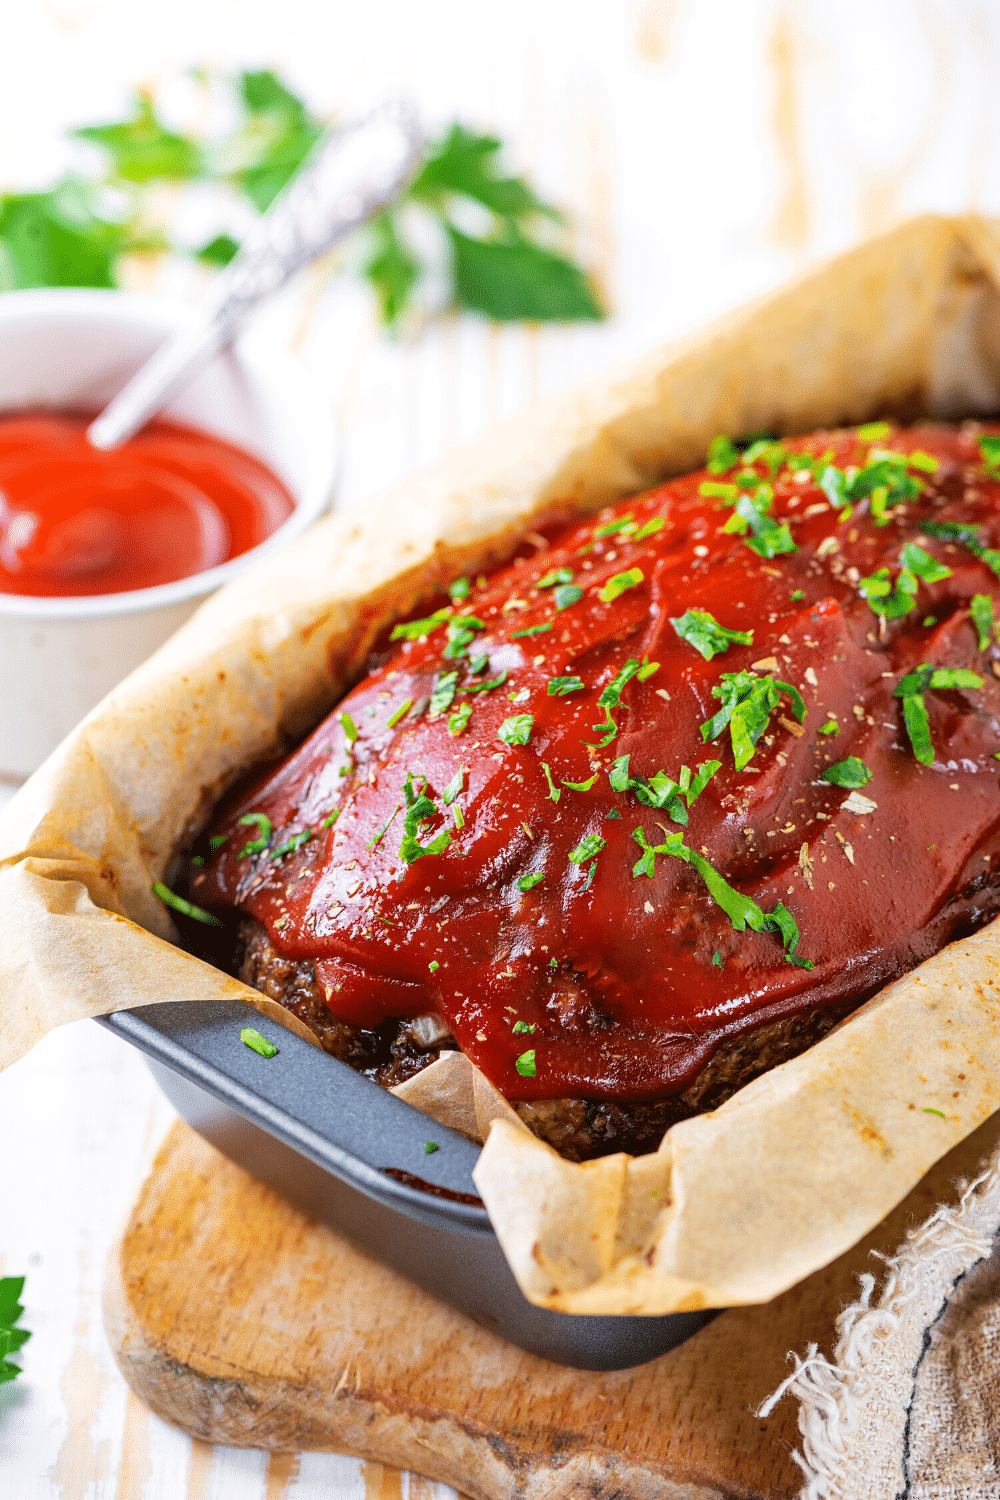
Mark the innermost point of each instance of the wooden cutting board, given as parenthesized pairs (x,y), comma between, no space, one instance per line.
(242,1322)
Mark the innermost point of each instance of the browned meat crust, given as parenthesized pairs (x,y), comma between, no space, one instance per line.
(579,1129)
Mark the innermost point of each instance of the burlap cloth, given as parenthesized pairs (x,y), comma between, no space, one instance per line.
(908,1408)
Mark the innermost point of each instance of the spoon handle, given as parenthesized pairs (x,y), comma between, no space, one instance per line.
(351,173)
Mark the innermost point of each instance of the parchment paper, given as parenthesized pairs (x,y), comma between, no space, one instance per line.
(738,1204)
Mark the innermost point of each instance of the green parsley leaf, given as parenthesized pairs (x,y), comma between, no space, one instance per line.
(271,145)
(443,693)
(618,585)
(554,576)
(649,528)
(531,630)
(293,844)
(929,1110)
(660,791)
(487,687)
(392,270)
(217,840)
(611,694)
(920,562)
(520,1027)
(525,884)
(415,630)
(430,1147)
(989,448)
(612,528)
(554,792)
(747,704)
(141,149)
(349,727)
(560,686)
(11,1338)
(433,965)
(186,908)
(925,462)
(218,251)
(252,1038)
(515,281)
(461,633)
(567,594)
(459,589)
(58,238)
(830,727)
(850,773)
(722,455)
(582,786)
(401,712)
(454,787)
(692,787)
(911,689)
(770,538)
(885,600)
(331,818)
(981,612)
(262,823)
(589,846)
(647,669)
(702,631)
(517,729)
(713,489)
(525,1064)
(918,727)
(458,720)
(717,959)
(419,809)
(796,595)
(874,432)
(928,621)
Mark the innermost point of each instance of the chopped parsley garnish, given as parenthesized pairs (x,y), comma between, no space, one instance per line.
(770,538)
(741,910)
(433,965)
(487,687)
(989,447)
(264,828)
(443,692)
(623,523)
(747,704)
(981,611)
(796,595)
(217,840)
(920,562)
(567,594)
(647,669)
(929,1110)
(589,846)
(401,712)
(619,584)
(874,432)
(430,1147)
(969,536)
(712,489)
(611,694)
(884,599)
(461,633)
(11,1338)
(560,686)
(702,631)
(722,455)
(529,630)
(186,908)
(911,689)
(660,791)
(885,482)
(830,727)
(554,792)
(649,528)
(331,818)
(554,576)
(517,729)
(526,882)
(414,630)
(926,462)
(460,718)
(478,663)
(292,845)
(525,1064)
(582,786)
(850,773)
(717,959)
(460,589)
(257,1043)
(519,1028)
(454,787)
(349,727)
(419,808)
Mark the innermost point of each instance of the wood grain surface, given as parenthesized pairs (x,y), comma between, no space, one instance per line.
(242,1322)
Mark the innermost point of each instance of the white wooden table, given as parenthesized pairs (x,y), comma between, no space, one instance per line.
(706,149)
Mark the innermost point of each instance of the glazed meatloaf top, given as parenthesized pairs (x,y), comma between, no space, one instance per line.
(654,805)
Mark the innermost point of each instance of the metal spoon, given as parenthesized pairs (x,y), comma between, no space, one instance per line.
(350,174)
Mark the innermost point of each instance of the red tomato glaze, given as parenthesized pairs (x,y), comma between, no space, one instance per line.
(623,979)
(167,504)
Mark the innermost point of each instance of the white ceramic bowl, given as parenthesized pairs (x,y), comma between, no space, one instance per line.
(75,349)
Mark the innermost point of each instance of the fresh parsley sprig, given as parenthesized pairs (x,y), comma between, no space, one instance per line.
(76,232)
(12,1338)
(747,704)
(702,631)
(911,689)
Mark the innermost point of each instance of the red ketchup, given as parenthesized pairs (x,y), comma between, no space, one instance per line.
(169,503)
(463,835)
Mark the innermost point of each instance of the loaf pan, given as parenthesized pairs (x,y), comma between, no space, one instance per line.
(350,1154)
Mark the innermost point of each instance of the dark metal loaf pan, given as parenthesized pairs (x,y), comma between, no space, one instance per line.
(325,1138)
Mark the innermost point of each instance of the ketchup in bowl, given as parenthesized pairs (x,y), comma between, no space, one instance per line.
(169,503)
